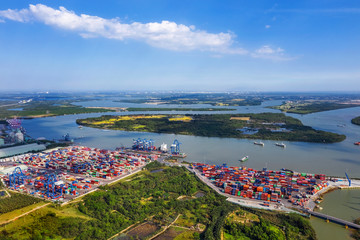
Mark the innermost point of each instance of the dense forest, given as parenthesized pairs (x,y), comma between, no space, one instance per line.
(267,126)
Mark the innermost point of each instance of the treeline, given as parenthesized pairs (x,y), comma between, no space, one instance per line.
(16,201)
(218,215)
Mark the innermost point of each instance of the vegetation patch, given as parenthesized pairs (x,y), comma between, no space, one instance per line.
(356,121)
(268,126)
(283,226)
(16,201)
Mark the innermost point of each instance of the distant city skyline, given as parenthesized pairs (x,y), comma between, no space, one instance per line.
(182,45)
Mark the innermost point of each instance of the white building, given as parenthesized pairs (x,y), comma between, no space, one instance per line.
(19,136)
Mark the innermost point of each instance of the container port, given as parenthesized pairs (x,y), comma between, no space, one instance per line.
(66,173)
(283,188)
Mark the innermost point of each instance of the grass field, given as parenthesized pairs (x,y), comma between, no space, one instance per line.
(13,214)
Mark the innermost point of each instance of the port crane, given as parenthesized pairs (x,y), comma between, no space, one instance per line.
(348,179)
(16,178)
(175,147)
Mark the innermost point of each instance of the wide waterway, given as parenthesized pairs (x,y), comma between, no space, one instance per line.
(330,159)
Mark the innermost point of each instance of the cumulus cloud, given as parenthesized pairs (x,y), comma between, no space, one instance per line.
(165,34)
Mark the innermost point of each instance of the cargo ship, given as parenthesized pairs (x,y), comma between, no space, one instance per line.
(357,143)
(280,145)
(259,143)
(244,159)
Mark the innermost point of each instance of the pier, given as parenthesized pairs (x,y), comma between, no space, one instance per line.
(334,219)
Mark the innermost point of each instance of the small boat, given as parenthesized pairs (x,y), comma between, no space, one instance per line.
(259,143)
(80,127)
(244,159)
(280,145)
(357,143)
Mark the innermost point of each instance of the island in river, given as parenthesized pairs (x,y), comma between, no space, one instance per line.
(177,109)
(356,121)
(44,108)
(267,126)
(311,106)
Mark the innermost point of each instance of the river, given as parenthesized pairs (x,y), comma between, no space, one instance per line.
(330,159)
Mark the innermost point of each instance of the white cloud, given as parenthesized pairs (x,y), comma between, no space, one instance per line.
(165,34)
(267,26)
(15,15)
(267,52)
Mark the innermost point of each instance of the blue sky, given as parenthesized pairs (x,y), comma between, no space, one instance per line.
(180,45)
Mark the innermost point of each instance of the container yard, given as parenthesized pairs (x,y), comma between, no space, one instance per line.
(66,173)
(285,187)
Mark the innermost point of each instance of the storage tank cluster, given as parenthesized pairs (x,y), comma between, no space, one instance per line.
(265,185)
